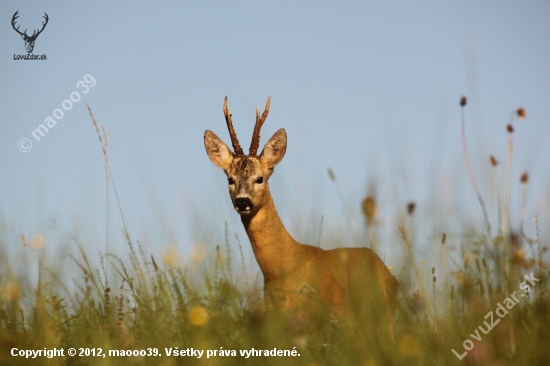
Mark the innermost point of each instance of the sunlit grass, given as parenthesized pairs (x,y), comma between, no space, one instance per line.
(467,299)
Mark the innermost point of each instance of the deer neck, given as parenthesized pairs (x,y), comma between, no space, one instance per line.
(270,241)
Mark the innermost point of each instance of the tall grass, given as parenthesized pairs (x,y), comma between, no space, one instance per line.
(215,304)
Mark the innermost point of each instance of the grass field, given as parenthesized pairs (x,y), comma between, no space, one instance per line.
(485,301)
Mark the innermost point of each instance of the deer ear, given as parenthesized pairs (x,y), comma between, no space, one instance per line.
(274,149)
(217,151)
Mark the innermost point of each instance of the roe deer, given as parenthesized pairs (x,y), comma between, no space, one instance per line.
(337,281)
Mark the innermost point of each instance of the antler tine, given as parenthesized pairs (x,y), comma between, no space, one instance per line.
(13,20)
(43,26)
(44,23)
(259,122)
(232,134)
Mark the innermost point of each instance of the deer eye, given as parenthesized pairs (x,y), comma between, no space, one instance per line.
(230,181)
(260,180)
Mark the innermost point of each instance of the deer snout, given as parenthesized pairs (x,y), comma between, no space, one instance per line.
(243,204)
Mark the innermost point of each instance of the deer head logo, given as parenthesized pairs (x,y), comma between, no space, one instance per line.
(29,40)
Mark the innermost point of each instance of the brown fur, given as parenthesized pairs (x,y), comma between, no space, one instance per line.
(344,283)
(334,275)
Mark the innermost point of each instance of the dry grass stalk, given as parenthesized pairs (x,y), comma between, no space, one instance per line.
(369,210)
(470,173)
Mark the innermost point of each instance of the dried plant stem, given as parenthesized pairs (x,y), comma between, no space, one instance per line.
(529,240)
(505,212)
(340,196)
(320,234)
(537,240)
(242,259)
(497,190)
(371,237)
(423,293)
(110,175)
(471,174)
(369,210)
(119,205)
(435,303)
(106,231)
(503,224)
(523,206)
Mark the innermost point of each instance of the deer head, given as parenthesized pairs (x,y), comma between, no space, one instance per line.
(247,175)
(29,40)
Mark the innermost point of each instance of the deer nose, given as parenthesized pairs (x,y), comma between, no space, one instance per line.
(243,204)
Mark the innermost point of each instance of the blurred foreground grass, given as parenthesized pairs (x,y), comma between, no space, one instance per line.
(485,301)
(474,308)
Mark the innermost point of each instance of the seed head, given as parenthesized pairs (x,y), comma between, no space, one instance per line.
(463,101)
(520,112)
(467,259)
(524,178)
(369,209)
(494,162)
(411,206)
(444,238)
(404,235)
(331,175)
(510,128)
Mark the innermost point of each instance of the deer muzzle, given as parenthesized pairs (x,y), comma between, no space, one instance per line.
(243,205)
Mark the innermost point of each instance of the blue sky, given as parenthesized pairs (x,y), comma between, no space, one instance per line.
(369,89)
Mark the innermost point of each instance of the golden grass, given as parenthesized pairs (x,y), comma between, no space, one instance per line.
(209,303)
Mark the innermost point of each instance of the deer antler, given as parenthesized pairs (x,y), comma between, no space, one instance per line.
(43,25)
(13,19)
(34,34)
(256,134)
(232,134)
